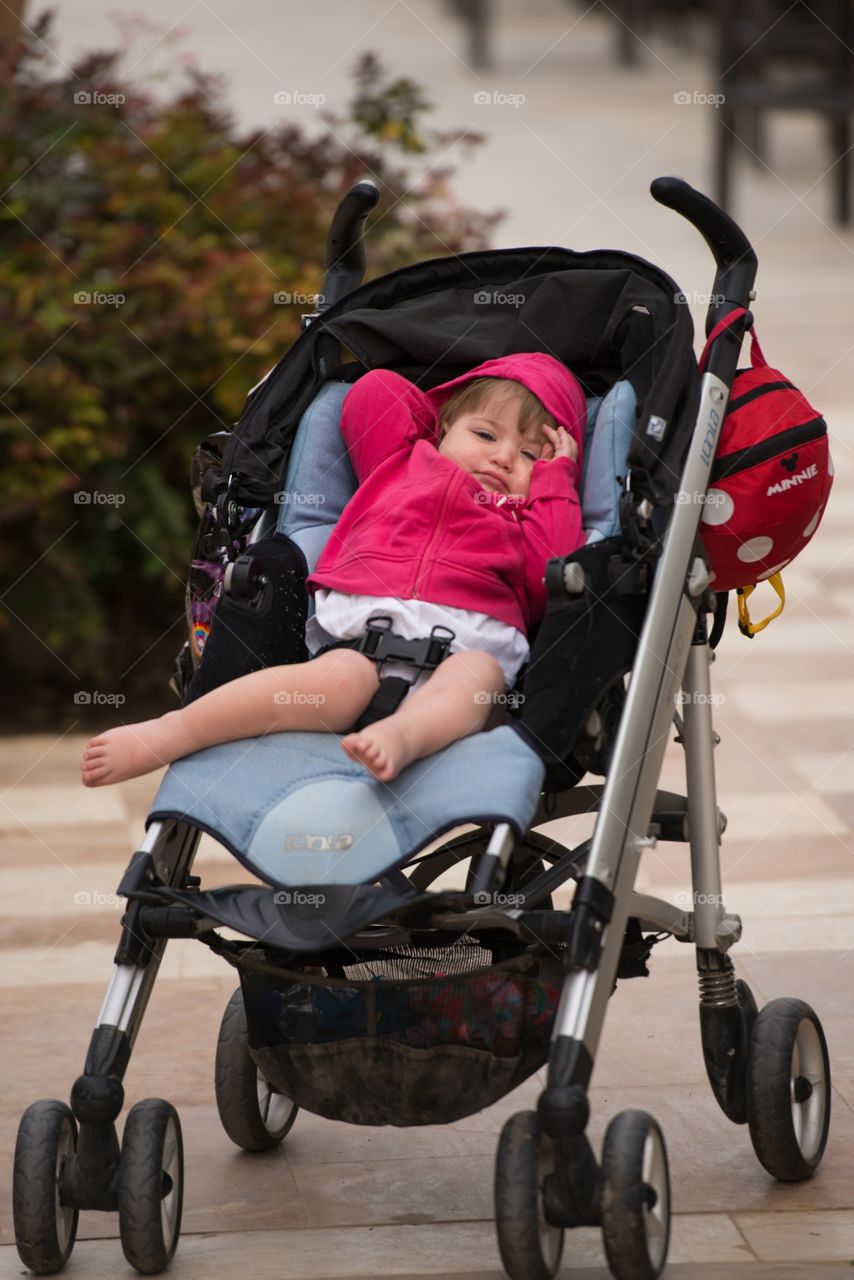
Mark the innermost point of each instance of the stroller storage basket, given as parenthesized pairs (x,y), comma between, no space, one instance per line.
(402,1050)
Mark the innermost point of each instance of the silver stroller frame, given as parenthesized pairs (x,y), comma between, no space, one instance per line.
(547,1177)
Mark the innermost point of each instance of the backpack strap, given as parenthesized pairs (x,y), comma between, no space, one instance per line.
(721,606)
(745,626)
(757,359)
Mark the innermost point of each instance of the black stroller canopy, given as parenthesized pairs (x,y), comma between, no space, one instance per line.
(605,314)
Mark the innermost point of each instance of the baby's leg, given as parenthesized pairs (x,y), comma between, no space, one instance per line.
(457,700)
(326,693)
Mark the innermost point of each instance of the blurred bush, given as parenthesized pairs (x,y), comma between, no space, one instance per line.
(142,241)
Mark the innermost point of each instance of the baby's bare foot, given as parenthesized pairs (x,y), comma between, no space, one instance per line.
(381,747)
(131,750)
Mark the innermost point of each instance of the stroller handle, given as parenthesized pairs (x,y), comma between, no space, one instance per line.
(345,249)
(731,249)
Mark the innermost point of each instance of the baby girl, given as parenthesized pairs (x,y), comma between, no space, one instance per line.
(464,493)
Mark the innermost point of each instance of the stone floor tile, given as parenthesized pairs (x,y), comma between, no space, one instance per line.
(761,861)
(316,1141)
(713,1167)
(831,772)
(826,701)
(772,899)
(706,1237)
(93,962)
(49,1050)
(460,1251)
(397,1192)
(27,805)
(771,815)
(807,976)
(52,846)
(799,1237)
(54,891)
(652,1032)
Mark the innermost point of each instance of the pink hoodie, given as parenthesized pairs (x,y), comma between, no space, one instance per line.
(421,528)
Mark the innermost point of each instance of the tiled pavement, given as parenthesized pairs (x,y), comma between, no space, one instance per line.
(342,1202)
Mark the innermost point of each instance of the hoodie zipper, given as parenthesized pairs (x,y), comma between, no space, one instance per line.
(414,595)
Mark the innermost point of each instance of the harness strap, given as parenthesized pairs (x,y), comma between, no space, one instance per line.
(388,697)
(381,645)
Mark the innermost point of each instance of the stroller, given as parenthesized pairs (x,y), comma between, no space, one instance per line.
(369,992)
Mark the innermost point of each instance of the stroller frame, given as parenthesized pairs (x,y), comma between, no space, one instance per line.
(547,1174)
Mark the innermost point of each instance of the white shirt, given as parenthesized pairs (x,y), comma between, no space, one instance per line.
(340,616)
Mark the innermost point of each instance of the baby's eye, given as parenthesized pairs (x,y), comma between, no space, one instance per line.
(480,432)
(529,453)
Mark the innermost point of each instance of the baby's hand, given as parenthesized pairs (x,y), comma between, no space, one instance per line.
(560,444)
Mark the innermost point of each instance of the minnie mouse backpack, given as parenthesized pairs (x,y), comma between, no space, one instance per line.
(769,483)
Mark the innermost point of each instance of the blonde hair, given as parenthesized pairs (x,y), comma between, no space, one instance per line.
(480,392)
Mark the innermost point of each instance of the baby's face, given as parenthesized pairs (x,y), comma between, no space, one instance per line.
(488,444)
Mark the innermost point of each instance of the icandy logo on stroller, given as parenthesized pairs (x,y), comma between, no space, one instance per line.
(769,484)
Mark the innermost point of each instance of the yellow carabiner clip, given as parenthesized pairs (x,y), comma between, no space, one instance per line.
(745,626)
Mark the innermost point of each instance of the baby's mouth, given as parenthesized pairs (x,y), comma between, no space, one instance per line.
(495,480)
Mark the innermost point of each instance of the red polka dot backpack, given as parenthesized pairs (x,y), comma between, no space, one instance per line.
(769,483)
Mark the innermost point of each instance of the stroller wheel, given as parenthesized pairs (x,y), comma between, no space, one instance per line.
(254,1115)
(151,1185)
(530,1246)
(635,1197)
(788,1090)
(44,1229)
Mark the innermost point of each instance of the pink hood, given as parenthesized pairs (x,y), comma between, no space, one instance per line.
(551,382)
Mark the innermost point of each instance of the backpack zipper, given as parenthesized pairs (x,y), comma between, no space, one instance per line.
(753,454)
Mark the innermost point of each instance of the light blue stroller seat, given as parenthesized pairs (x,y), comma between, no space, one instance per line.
(293,807)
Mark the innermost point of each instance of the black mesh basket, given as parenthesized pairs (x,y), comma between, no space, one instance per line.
(407,1036)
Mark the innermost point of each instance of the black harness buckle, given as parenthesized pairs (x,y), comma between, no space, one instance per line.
(381,645)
